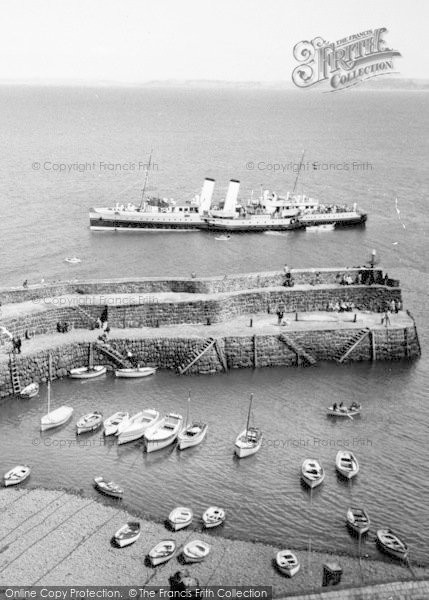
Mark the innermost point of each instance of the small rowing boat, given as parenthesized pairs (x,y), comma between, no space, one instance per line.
(346,464)
(164,433)
(390,543)
(135,427)
(108,487)
(112,423)
(195,551)
(30,390)
(312,472)
(134,372)
(162,552)
(87,372)
(89,422)
(17,475)
(72,260)
(222,238)
(213,517)
(358,520)
(127,534)
(344,411)
(180,517)
(287,562)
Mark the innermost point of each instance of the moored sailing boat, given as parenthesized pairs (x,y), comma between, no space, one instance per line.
(250,439)
(56,417)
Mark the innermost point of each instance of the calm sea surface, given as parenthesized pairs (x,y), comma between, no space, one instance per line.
(194,134)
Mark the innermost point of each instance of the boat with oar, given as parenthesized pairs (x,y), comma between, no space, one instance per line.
(56,417)
(89,422)
(90,371)
(127,534)
(346,464)
(344,411)
(312,472)
(287,562)
(392,544)
(193,433)
(108,487)
(30,390)
(164,433)
(358,520)
(134,427)
(195,551)
(162,552)
(135,372)
(213,517)
(180,517)
(16,475)
(112,423)
(249,440)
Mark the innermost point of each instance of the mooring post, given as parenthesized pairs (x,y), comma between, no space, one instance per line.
(296,316)
(373,352)
(255,353)
(251,323)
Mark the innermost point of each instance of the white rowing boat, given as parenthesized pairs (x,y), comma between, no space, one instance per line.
(135,372)
(16,475)
(392,544)
(30,390)
(108,487)
(180,517)
(195,551)
(344,411)
(87,372)
(162,552)
(287,562)
(72,260)
(312,472)
(113,422)
(127,534)
(89,422)
(164,433)
(135,427)
(346,464)
(213,517)
(358,520)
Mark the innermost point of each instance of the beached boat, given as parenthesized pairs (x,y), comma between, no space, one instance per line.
(127,534)
(135,427)
(346,464)
(358,520)
(56,417)
(344,411)
(72,260)
(180,517)
(287,562)
(162,552)
(195,551)
(108,487)
(17,475)
(312,472)
(193,433)
(30,390)
(213,517)
(390,543)
(164,433)
(87,372)
(250,439)
(89,422)
(135,372)
(112,423)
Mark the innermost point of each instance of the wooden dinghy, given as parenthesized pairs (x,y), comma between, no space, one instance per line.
(312,472)
(30,390)
(213,517)
(346,464)
(180,517)
(287,562)
(108,487)
(358,520)
(127,534)
(17,475)
(195,551)
(89,422)
(392,544)
(162,552)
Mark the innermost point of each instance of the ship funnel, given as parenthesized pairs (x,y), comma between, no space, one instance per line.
(231,196)
(206,195)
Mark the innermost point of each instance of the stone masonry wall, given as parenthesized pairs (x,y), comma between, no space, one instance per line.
(239,352)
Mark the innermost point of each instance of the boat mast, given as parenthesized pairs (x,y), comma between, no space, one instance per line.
(90,358)
(299,171)
(248,415)
(145,180)
(188,409)
(49,383)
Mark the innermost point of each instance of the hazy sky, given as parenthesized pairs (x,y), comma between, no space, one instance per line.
(141,40)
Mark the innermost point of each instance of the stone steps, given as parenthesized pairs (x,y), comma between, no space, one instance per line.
(197,354)
(354,341)
(113,354)
(300,352)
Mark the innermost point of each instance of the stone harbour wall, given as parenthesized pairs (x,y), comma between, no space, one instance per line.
(374,298)
(204,285)
(239,352)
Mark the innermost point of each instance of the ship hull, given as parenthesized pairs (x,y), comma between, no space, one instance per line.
(100,222)
(339,221)
(240,225)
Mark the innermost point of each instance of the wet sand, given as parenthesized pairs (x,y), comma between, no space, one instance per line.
(59,538)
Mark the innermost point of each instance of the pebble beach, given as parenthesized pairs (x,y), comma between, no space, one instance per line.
(54,537)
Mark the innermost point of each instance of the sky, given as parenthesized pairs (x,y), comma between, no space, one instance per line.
(133,41)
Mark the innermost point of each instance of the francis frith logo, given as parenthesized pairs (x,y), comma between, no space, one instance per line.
(344,63)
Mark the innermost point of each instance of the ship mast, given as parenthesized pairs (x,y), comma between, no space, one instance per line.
(145,180)
(299,171)
(248,414)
